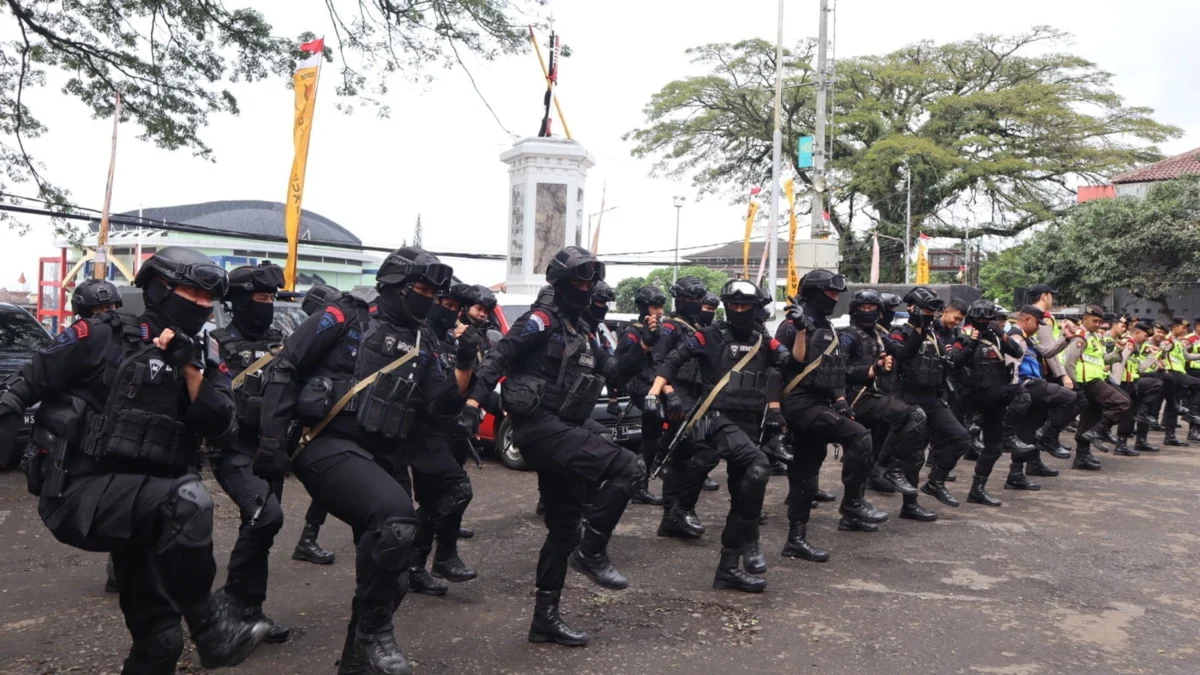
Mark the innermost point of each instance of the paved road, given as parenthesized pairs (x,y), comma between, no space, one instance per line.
(1097,573)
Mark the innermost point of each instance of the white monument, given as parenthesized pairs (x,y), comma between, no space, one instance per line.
(546,178)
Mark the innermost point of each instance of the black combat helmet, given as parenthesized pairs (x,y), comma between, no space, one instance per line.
(689,295)
(712,299)
(981,313)
(602,291)
(266,277)
(647,296)
(181,266)
(888,304)
(403,268)
(924,298)
(741,292)
(91,294)
(813,289)
(862,317)
(573,263)
(482,295)
(317,297)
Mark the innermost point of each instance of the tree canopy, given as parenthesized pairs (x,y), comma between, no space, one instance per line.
(172,61)
(1150,246)
(994,130)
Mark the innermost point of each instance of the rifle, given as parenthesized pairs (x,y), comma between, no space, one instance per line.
(685,426)
(474,453)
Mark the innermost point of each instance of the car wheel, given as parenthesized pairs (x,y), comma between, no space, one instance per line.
(510,455)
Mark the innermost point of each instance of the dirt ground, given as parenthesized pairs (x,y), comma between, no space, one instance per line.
(1097,573)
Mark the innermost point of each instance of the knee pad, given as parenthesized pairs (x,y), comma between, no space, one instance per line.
(914,423)
(392,541)
(859,449)
(758,473)
(455,500)
(187,515)
(703,459)
(630,474)
(1020,404)
(157,652)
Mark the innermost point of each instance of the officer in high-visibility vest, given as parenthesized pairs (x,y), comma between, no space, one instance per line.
(1159,345)
(1088,361)
(1146,392)
(1187,386)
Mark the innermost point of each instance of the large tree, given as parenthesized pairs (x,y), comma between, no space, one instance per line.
(1150,246)
(994,129)
(172,61)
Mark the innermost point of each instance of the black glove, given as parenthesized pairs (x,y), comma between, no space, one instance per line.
(467,352)
(842,407)
(614,408)
(271,459)
(799,319)
(468,421)
(650,336)
(773,424)
(180,351)
(652,406)
(674,406)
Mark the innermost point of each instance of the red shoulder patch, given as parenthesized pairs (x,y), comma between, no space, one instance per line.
(700,338)
(337,313)
(223,368)
(542,315)
(897,336)
(774,344)
(81,328)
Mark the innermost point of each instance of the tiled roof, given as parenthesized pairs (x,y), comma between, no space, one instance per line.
(1187,164)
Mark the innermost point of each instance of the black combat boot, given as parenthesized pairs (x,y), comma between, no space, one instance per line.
(223,639)
(861,509)
(975,447)
(1085,460)
(1036,467)
(1124,450)
(642,495)
(591,560)
(729,575)
(1047,440)
(710,485)
(798,546)
(936,487)
(752,556)
(1170,440)
(1156,426)
(852,524)
(1095,437)
(823,496)
(778,468)
(447,564)
(912,510)
(110,584)
(879,482)
(419,579)
(1141,444)
(308,550)
(1017,480)
(375,643)
(276,635)
(465,532)
(894,478)
(548,626)
(1193,432)
(978,493)
(680,524)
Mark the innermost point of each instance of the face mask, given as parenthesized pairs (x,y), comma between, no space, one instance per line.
(177,312)
(926,319)
(887,317)
(688,308)
(572,300)
(409,308)
(705,318)
(439,317)
(865,319)
(823,303)
(255,317)
(741,322)
(595,315)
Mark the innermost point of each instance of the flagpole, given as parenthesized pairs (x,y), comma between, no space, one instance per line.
(100,262)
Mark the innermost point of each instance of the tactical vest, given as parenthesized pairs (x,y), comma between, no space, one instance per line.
(746,391)
(334,375)
(873,349)
(689,375)
(1090,365)
(638,384)
(387,408)
(926,369)
(139,426)
(830,373)
(988,367)
(560,379)
(238,353)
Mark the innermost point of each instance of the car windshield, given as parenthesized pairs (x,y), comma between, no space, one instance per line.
(20,332)
(288,317)
(514,312)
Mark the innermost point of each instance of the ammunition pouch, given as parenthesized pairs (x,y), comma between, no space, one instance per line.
(521,395)
(58,426)
(575,403)
(248,398)
(924,370)
(385,411)
(689,374)
(315,400)
(136,435)
(829,375)
(746,392)
(703,427)
(987,374)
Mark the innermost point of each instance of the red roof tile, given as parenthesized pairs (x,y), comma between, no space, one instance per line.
(1187,164)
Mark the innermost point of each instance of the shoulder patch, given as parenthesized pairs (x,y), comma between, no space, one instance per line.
(145,328)
(64,339)
(332,317)
(537,322)
(668,327)
(700,338)
(81,329)
(774,345)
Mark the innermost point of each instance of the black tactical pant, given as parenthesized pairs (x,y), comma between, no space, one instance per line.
(315,515)
(1048,403)
(257,500)
(652,436)
(813,425)
(441,489)
(949,437)
(1188,389)
(1105,406)
(897,428)
(568,459)
(371,495)
(1146,394)
(1001,407)
(159,531)
(1170,399)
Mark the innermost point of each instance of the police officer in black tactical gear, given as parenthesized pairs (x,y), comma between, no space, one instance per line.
(739,374)
(991,391)
(124,405)
(478,305)
(555,373)
(244,347)
(818,414)
(307,549)
(708,313)
(683,392)
(366,388)
(873,367)
(923,382)
(441,485)
(632,351)
(889,303)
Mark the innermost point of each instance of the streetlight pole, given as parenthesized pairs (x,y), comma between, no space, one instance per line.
(679,200)
(776,152)
(908,224)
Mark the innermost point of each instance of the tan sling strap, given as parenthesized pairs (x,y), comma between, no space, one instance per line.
(712,395)
(812,366)
(342,402)
(254,367)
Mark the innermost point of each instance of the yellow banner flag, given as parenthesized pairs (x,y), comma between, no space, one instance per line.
(751,212)
(922,261)
(304,81)
(793,286)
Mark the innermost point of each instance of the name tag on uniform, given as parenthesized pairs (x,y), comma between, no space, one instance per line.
(587,360)
(739,349)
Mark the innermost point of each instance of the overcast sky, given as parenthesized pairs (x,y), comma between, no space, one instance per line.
(437,153)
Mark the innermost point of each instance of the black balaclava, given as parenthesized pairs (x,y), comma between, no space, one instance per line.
(865,320)
(168,309)
(821,302)
(886,316)
(689,308)
(594,315)
(742,323)
(401,305)
(441,318)
(252,317)
(704,317)
(571,300)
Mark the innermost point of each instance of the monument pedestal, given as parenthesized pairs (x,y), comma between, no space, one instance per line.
(546,179)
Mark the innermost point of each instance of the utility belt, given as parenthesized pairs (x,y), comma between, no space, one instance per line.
(137,436)
(524,395)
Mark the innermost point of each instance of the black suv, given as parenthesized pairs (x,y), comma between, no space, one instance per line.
(21,336)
